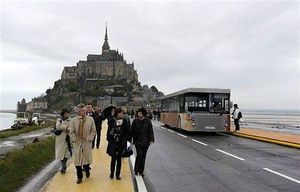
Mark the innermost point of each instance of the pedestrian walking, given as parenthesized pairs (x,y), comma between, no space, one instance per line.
(149,114)
(62,148)
(154,114)
(90,112)
(117,136)
(82,133)
(236,115)
(98,118)
(158,115)
(126,116)
(132,113)
(143,137)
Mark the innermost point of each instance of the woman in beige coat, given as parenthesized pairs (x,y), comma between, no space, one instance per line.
(62,152)
(82,133)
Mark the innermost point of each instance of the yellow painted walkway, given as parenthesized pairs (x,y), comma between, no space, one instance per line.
(292,140)
(99,179)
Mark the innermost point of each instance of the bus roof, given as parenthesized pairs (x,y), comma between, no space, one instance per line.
(197,90)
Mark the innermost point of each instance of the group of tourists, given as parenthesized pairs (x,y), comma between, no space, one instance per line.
(151,114)
(79,136)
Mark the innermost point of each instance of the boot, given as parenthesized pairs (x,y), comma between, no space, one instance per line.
(79,180)
(64,165)
(86,169)
(111,175)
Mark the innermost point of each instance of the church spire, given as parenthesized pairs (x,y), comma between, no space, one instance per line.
(105,46)
(106,38)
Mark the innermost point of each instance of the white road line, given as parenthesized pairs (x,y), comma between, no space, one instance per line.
(282,175)
(199,142)
(171,131)
(230,154)
(162,127)
(181,135)
(139,179)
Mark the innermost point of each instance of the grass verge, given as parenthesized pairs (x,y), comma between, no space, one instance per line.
(10,133)
(20,165)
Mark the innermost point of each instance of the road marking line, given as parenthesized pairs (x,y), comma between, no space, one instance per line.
(230,154)
(199,142)
(181,135)
(139,179)
(171,131)
(282,175)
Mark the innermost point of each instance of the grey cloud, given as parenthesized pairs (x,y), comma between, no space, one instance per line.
(250,47)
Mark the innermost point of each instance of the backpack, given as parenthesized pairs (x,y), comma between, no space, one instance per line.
(240,115)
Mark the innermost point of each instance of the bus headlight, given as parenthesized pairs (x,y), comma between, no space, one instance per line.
(194,124)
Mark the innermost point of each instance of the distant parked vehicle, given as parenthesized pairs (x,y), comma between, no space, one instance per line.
(24,119)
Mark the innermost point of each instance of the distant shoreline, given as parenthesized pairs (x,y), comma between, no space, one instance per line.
(3,129)
(244,109)
(8,111)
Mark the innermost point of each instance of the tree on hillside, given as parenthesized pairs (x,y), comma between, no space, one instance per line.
(154,89)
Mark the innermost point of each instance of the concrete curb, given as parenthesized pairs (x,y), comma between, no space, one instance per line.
(38,181)
(141,187)
(139,180)
(265,139)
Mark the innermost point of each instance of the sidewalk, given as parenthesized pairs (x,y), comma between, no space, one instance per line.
(99,179)
(291,140)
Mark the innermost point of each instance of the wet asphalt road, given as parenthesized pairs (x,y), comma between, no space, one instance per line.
(219,163)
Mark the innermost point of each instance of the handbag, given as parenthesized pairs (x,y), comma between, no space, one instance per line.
(56,131)
(127,152)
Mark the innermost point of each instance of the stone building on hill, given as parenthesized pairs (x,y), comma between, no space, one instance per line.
(102,79)
(109,65)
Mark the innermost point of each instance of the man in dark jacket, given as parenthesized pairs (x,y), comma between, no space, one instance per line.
(143,137)
(126,116)
(98,117)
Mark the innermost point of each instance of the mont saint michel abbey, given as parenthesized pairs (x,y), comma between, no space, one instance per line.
(109,65)
(101,79)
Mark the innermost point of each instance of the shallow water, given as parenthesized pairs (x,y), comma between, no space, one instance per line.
(6,120)
(8,143)
(290,119)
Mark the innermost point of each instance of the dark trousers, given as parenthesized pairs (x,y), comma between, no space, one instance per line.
(237,124)
(116,158)
(79,170)
(64,164)
(98,135)
(140,159)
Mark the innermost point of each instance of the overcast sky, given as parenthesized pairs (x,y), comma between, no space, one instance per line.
(251,47)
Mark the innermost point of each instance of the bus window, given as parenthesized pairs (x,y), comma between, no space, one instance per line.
(170,105)
(226,105)
(175,104)
(195,103)
(219,103)
(165,105)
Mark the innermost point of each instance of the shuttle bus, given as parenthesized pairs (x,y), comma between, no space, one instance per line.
(197,109)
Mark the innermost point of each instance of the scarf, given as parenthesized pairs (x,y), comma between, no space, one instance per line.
(80,130)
